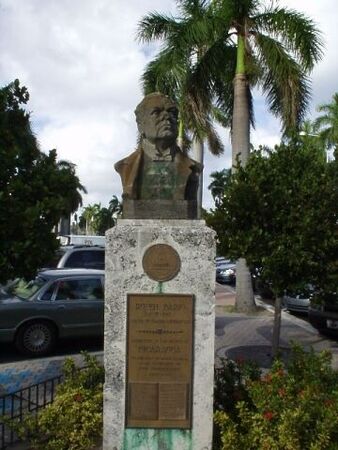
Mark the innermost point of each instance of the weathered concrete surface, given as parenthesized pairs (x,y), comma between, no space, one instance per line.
(126,244)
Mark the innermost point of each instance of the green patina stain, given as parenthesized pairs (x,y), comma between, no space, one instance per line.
(152,439)
(159,180)
(159,288)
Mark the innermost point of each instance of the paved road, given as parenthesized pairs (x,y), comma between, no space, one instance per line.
(8,354)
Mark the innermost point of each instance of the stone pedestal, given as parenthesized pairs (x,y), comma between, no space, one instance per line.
(125,248)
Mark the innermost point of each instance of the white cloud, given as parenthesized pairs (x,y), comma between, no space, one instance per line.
(82,66)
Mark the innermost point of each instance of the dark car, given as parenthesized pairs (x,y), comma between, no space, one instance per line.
(324,316)
(57,304)
(225,271)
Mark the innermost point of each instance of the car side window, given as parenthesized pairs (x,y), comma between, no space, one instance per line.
(75,260)
(90,259)
(47,295)
(94,259)
(86,289)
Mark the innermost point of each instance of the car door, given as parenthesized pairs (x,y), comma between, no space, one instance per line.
(79,306)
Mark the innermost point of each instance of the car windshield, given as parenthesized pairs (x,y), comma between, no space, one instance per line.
(25,290)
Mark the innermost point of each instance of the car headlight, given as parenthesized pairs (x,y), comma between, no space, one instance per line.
(229,272)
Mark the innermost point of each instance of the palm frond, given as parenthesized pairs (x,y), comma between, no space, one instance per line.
(322,121)
(236,11)
(192,8)
(156,26)
(199,122)
(215,144)
(164,73)
(218,77)
(327,124)
(295,31)
(220,117)
(286,86)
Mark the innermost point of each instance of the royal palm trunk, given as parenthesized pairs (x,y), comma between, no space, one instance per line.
(198,155)
(241,146)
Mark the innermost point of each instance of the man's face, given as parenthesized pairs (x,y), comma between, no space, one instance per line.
(158,120)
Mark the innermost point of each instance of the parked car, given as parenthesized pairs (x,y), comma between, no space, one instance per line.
(79,256)
(225,271)
(298,302)
(324,316)
(57,304)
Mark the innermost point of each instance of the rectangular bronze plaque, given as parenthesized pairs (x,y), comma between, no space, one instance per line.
(159,360)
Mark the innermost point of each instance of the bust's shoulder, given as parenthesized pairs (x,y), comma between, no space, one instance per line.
(186,160)
(129,160)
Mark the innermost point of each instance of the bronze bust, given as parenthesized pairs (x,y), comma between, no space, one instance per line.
(159,180)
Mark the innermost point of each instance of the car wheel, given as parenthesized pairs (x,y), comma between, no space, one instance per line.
(36,338)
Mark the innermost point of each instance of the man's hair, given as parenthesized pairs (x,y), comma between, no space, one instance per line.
(148,100)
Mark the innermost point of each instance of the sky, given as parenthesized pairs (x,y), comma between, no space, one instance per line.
(82,64)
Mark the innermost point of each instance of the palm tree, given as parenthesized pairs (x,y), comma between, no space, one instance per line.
(115,207)
(74,200)
(88,214)
(327,125)
(309,137)
(247,45)
(218,183)
(275,50)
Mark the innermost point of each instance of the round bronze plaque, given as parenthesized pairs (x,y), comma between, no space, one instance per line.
(161,262)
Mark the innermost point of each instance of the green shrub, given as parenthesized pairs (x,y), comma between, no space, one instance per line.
(74,420)
(289,408)
(293,407)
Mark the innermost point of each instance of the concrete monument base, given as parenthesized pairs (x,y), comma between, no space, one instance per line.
(125,248)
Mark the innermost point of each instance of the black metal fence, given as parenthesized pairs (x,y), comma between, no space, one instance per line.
(14,406)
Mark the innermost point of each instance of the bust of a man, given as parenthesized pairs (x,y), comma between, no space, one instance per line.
(158,170)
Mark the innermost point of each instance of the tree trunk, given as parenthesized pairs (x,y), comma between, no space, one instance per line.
(198,155)
(245,301)
(276,326)
(179,140)
(240,121)
(241,146)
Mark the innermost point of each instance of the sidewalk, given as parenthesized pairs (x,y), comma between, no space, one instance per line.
(249,336)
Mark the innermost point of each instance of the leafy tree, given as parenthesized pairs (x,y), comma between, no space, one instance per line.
(327,124)
(35,190)
(281,212)
(97,219)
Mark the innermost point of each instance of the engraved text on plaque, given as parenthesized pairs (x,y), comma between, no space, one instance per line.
(159,355)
